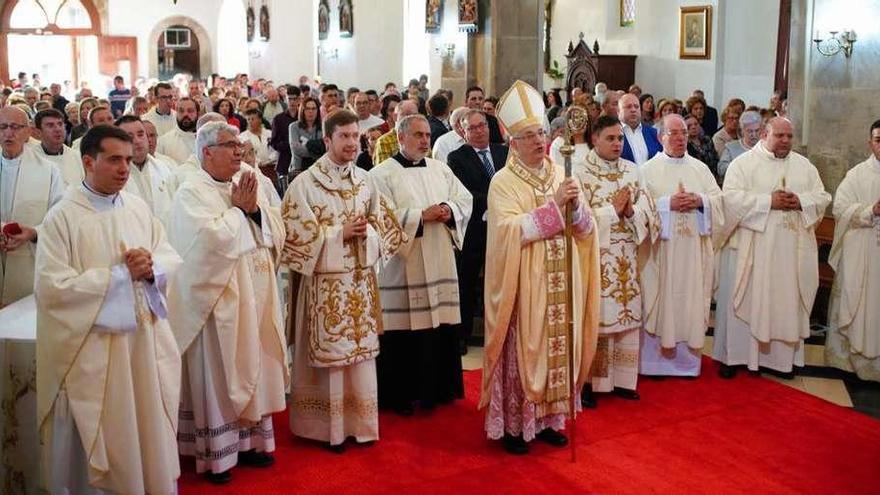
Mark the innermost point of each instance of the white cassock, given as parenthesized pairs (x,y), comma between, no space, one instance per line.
(853,339)
(163,123)
(29,186)
(334,305)
(176,144)
(620,242)
(446,144)
(419,285)
(769,267)
(151,184)
(265,154)
(226,315)
(69,163)
(108,368)
(678,276)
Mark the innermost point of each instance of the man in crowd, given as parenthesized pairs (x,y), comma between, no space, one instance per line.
(366,120)
(180,142)
(474,97)
(640,142)
(100,115)
(108,367)
(678,277)
(625,224)
(280,140)
(162,115)
(420,360)
(453,140)
(225,310)
(51,148)
(148,177)
(387,145)
(273,105)
(525,360)
(474,163)
(333,395)
(329,99)
(853,339)
(118,97)
(773,200)
(438,110)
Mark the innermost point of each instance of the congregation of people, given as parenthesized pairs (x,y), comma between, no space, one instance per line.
(207,253)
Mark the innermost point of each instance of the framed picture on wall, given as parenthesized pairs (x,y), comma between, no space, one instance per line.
(323,19)
(468,15)
(346,26)
(695,33)
(433,15)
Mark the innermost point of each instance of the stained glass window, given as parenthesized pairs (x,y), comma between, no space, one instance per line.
(35,14)
(627,12)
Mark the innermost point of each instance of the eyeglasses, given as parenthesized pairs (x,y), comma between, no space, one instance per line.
(230,145)
(481,125)
(531,136)
(165,97)
(14,127)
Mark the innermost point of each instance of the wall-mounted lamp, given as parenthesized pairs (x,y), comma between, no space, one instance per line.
(836,43)
(330,53)
(446,50)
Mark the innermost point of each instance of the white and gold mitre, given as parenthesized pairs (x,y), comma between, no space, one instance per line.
(520,107)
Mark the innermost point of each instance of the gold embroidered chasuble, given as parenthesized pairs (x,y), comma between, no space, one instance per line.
(776,274)
(122,389)
(525,290)
(336,297)
(678,276)
(855,256)
(228,285)
(620,240)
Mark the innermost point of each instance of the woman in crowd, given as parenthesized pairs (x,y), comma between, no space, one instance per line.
(225,107)
(700,146)
(647,103)
(306,128)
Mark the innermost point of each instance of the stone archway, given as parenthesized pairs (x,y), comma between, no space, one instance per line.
(206,62)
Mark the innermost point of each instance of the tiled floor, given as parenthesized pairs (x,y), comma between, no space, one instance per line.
(831,385)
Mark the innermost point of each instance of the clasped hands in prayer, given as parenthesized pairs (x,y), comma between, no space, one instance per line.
(684,201)
(784,200)
(437,213)
(622,203)
(244,194)
(11,242)
(140,264)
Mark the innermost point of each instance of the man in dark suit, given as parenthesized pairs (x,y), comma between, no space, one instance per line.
(474,100)
(438,109)
(474,163)
(640,142)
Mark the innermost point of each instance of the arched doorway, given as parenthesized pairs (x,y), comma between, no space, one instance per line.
(64,34)
(178,52)
(202,51)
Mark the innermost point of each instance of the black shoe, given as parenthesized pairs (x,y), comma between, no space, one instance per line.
(552,437)
(255,459)
(404,409)
(336,449)
(588,399)
(625,393)
(462,347)
(219,478)
(656,378)
(727,372)
(515,444)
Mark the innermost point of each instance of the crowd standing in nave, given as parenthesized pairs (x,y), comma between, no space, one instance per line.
(212,245)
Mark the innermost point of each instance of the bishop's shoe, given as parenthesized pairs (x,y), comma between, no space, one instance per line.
(625,393)
(588,398)
(515,444)
(219,478)
(727,372)
(256,459)
(552,437)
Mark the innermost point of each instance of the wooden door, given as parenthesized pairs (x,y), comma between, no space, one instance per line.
(115,49)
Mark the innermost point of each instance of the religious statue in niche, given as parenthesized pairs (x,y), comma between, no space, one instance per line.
(468,14)
(250,24)
(323,19)
(346,29)
(264,23)
(433,13)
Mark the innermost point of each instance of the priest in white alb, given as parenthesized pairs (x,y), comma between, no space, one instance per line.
(773,200)
(108,367)
(678,276)
(420,360)
(853,339)
(180,142)
(526,368)
(29,186)
(626,224)
(225,310)
(338,228)
(50,123)
(149,178)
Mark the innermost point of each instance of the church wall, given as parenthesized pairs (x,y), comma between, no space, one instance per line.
(290,51)
(374,55)
(743,45)
(833,100)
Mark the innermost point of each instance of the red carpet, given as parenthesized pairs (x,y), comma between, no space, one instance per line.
(747,435)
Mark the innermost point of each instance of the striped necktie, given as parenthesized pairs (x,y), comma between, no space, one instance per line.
(487,165)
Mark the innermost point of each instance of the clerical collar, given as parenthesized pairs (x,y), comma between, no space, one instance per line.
(767,153)
(49,153)
(598,160)
(407,163)
(216,181)
(11,161)
(98,200)
(876,162)
(677,161)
